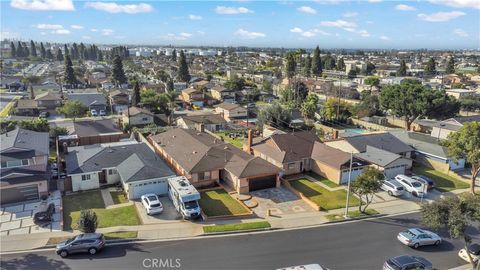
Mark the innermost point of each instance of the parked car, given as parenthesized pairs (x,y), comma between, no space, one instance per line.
(251,105)
(94,112)
(425,180)
(419,237)
(407,262)
(313,266)
(411,185)
(102,113)
(44,213)
(393,187)
(473,249)
(44,114)
(87,242)
(152,204)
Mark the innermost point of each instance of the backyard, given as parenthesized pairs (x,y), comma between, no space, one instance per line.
(237,142)
(327,200)
(219,203)
(73,204)
(443,182)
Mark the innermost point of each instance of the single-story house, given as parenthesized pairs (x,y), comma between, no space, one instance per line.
(221,93)
(48,100)
(389,163)
(231,111)
(211,122)
(119,100)
(94,101)
(193,96)
(136,116)
(27,107)
(445,127)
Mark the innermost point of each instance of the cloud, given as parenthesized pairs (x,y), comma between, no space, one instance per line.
(403,7)
(350,14)
(75,26)
(364,33)
(440,16)
(309,33)
(194,17)
(308,10)
(232,10)
(329,2)
(61,32)
(86,37)
(375,1)
(180,36)
(296,30)
(458,3)
(116,8)
(200,32)
(107,32)
(48,26)
(64,5)
(460,32)
(347,26)
(94,30)
(249,35)
(384,38)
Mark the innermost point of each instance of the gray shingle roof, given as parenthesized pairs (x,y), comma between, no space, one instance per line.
(377,156)
(26,139)
(206,119)
(385,141)
(88,99)
(421,142)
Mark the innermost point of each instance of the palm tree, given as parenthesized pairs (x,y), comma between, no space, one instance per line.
(29,82)
(171,96)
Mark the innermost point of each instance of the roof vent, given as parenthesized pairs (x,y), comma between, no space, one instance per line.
(194,152)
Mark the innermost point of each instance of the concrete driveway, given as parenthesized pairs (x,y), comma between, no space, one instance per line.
(280,201)
(18,218)
(169,213)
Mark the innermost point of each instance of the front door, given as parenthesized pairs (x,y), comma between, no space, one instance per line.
(102,178)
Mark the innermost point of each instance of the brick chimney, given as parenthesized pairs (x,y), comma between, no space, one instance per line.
(335,134)
(248,146)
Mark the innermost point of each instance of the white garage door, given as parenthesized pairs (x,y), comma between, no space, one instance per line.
(355,173)
(159,187)
(394,171)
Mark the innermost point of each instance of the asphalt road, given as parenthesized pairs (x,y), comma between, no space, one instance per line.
(357,245)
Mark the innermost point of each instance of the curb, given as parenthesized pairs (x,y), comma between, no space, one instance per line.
(358,218)
(240,231)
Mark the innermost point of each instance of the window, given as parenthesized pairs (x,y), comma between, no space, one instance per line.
(112,171)
(144,119)
(206,176)
(291,166)
(85,177)
(14,163)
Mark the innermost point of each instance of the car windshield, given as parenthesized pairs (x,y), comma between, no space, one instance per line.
(155,205)
(69,240)
(190,205)
(409,234)
(416,184)
(152,198)
(393,265)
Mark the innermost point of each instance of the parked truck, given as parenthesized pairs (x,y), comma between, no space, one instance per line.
(184,197)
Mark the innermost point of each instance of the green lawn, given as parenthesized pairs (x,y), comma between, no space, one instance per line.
(323,180)
(327,200)
(442,181)
(73,204)
(237,142)
(352,214)
(121,235)
(236,227)
(219,203)
(118,197)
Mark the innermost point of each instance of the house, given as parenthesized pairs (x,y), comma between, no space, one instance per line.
(207,161)
(389,163)
(86,132)
(460,93)
(445,127)
(94,101)
(48,100)
(136,116)
(193,96)
(119,100)
(27,107)
(24,165)
(211,122)
(222,94)
(134,165)
(231,112)
(429,151)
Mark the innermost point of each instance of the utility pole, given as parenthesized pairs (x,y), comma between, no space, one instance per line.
(348,185)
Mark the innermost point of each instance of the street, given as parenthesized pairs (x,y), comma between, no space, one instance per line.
(354,245)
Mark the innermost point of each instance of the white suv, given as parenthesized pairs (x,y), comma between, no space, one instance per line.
(152,204)
(393,187)
(411,185)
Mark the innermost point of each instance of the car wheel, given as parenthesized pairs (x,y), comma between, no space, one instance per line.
(416,245)
(437,243)
(63,253)
(415,194)
(92,251)
(390,193)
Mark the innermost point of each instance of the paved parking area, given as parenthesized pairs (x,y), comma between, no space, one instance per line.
(18,218)
(169,213)
(280,201)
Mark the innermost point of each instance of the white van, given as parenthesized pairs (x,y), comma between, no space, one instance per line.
(411,185)
(184,197)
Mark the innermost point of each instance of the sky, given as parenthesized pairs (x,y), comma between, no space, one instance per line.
(368,24)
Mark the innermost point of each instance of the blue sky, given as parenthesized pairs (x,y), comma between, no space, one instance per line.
(328,23)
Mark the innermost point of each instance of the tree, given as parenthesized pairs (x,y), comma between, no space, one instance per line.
(33,49)
(170,85)
(87,222)
(316,63)
(56,131)
(309,106)
(368,106)
(235,84)
(29,81)
(73,109)
(267,86)
(49,54)
(430,67)
(335,109)
(136,94)
(274,115)
(470,104)
(455,214)
(465,143)
(69,78)
(59,55)
(155,102)
(402,70)
(174,55)
(43,53)
(372,81)
(450,66)
(370,68)
(118,75)
(366,185)
(352,73)
(290,65)
(412,100)
(183,73)
(20,52)
(307,66)
(7,126)
(341,64)
(39,125)
(13,51)
(65,50)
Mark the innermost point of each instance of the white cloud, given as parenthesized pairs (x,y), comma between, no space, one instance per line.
(180,36)
(86,37)
(460,32)
(384,38)
(306,9)
(364,33)
(107,32)
(296,30)
(440,16)
(329,2)
(75,26)
(232,10)
(350,14)
(338,24)
(116,8)
(249,35)
(94,30)
(187,35)
(200,32)
(65,5)
(458,3)
(321,32)
(48,26)
(308,34)
(61,32)
(194,17)
(375,1)
(403,7)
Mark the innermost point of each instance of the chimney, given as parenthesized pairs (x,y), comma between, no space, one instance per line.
(201,127)
(248,146)
(335,134)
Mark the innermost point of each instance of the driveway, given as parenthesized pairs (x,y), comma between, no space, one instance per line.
(18,218)
(168,215)
(280,201)
(383,196)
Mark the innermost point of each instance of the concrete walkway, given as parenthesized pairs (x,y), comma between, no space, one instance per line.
(107,197)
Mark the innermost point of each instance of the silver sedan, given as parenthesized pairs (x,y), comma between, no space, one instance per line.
(419,237)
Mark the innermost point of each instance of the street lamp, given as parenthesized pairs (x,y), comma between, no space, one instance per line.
(348,185)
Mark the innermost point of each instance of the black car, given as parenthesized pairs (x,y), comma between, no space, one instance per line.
(406,262)
(44,114)
(44,213)
(87,242)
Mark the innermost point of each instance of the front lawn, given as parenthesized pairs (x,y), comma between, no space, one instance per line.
(121,235)
(352,214)
(219,203)
(237,142)
(325,199)
(236,227)
(118,197)
(73,204)
(323,180)
(442,181)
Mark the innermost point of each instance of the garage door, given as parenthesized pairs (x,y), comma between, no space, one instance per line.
(159,187)
(18,194)
(355,173)
(394,171)
(262,182)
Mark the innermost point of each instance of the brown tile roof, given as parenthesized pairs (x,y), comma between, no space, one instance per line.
(227,106)
(207,119)
(189,91)
(328,155)
(27,104)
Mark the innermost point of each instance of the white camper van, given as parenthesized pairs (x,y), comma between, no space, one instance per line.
(184,196)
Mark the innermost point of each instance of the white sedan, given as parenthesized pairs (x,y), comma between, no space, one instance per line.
(152,204)
(419,237)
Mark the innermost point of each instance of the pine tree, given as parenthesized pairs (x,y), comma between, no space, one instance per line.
(430,67)
(316,63)
(69,72)
(99,56)
(59,55)
(13,51)
(290,65)
(341,64)
(32,94)
(49,54)
(26,51)
(450,66)
(183,74)
(174,55)
(307,67)
(20,52)
(170,85)
(81,53)
(402,70)
(42,51)
(136,94)
(75,51)
(33,49)
(118,75)
(65,50)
